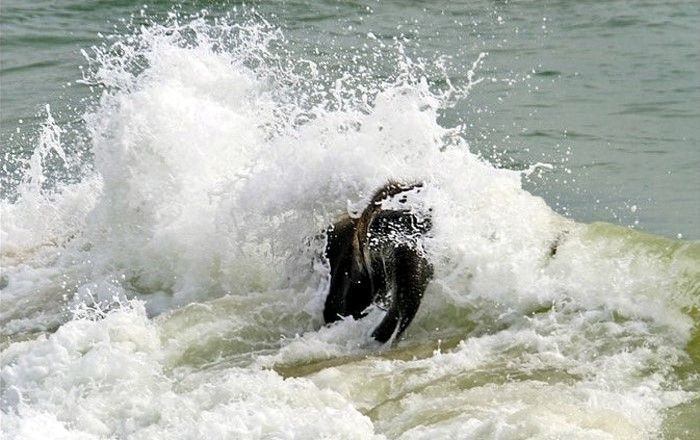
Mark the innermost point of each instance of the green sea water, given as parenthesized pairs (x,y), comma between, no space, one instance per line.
(608,91)
(166,170)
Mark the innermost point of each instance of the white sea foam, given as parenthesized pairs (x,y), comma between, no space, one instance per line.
(212,180)
(107,378)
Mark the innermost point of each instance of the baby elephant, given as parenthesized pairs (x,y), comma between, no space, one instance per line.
(378,259)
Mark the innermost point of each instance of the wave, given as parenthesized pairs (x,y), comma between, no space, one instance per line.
(178,280)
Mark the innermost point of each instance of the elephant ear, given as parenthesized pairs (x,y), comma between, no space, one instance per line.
(338,254)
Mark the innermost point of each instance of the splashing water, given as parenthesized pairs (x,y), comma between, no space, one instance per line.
(188,256)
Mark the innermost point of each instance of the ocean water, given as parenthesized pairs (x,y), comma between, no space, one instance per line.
(167,171)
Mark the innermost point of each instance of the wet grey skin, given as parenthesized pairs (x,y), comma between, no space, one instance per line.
(378,259)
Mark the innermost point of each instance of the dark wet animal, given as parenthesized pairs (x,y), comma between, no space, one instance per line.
(378,259)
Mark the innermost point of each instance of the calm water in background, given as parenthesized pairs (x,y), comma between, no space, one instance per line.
(607,92)
(157,283)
